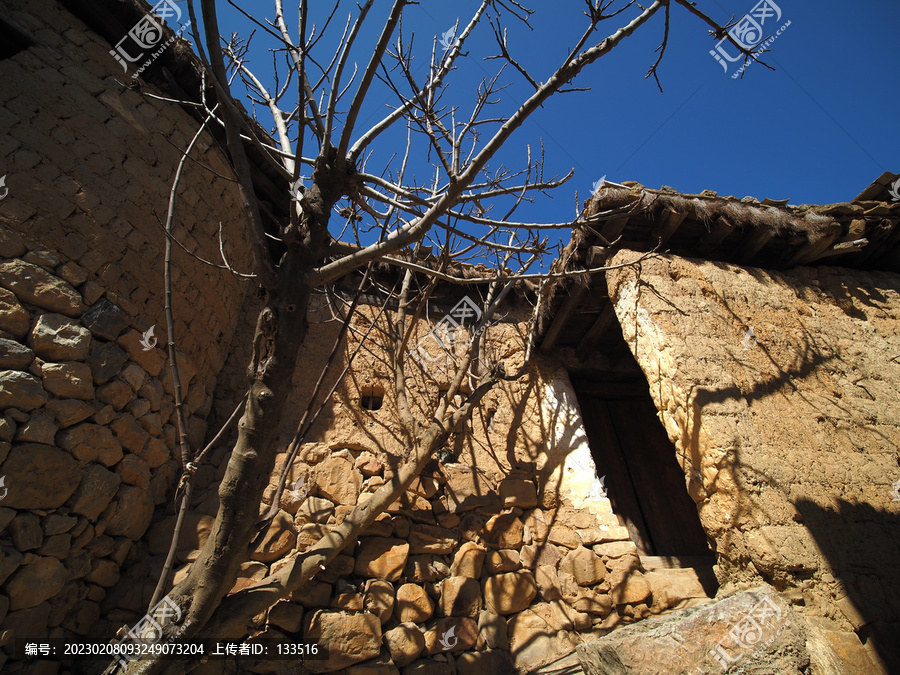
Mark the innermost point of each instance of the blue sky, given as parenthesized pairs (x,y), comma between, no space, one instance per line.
(818,129)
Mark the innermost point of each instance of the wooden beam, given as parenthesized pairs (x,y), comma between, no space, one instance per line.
(720,230)
(597,255)
(576,293)
(613,229)
(596,332)
(753,244)
(815,246)
(844,248)
(665,227)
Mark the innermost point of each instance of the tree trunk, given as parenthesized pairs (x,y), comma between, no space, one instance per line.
(281,331)
(232,620)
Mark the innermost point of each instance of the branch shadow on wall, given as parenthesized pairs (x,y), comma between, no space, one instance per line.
(859,541)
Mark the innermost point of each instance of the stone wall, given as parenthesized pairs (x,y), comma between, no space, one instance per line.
(780,392)
(507,540)
(86,431)
(89,164)
(87,445)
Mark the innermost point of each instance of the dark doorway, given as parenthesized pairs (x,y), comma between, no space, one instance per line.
(643,480)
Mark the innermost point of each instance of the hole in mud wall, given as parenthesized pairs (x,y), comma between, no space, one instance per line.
(371,397)
(644,482)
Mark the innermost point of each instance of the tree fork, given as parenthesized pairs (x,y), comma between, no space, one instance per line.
(236,611)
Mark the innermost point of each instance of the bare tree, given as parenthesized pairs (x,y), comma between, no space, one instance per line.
(345,218)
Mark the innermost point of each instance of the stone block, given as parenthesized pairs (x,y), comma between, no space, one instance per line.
(519,493)
(58,338)
(413,604)
(432,539)
(45,477)
(381,558)
(105,361)
(68,380)
(21,390)
(460,596)
(405,643)
(95,492)
(25,530)
(14,356)
(34,583)
(14,318)
(36,286)
(105,320)
(468,561)
(468,488)
(504,531)
(69,411)
(359,637)
(509,593)
(709,638)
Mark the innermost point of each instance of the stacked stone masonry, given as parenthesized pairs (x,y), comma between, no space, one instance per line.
(87,446)
(86,425)
(462,566)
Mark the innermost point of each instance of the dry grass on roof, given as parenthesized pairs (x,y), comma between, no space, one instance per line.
(782,221)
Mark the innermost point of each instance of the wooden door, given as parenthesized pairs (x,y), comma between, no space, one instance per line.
(643,480)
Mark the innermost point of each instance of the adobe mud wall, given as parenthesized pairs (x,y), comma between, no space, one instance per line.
(781,392)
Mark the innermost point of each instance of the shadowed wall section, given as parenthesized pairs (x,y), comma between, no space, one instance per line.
(785,431)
